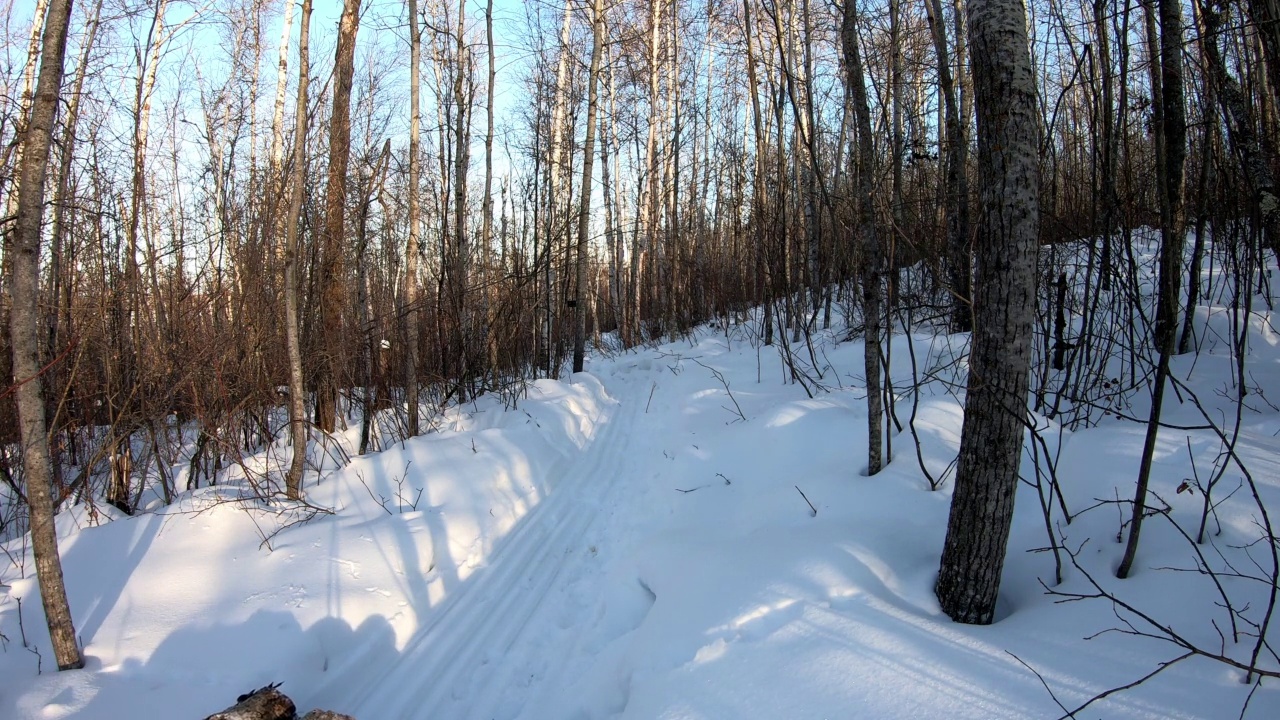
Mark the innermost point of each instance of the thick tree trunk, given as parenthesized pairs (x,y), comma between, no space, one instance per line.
(23,322)
(1004,298)
(332,269)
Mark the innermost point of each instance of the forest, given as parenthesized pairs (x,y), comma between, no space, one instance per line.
(234,229)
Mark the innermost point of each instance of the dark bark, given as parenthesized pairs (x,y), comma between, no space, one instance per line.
(869,236)
(1266,19)
(1173,134)
(1004,298)
(959,254)
(1240,129)
(332,268)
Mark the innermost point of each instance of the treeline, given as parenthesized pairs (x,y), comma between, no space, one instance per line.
(455,202)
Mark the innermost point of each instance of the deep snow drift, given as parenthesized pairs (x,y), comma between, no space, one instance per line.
(626,544)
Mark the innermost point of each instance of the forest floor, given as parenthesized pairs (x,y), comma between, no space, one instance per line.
(679,532)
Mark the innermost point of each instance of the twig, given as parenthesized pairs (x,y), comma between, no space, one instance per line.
(21,628)
(382,501)
(1128,686)
(61,356)
(737,409)
(1045,684)
(806,499)
(1256,684)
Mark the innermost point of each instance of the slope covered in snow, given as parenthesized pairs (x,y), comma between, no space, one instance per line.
(679,532)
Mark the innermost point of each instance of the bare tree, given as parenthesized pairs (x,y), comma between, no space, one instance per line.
(959,259)
(584,211)
(1004,298)
(332,272)
(855,80)
(297,406)
(411,297)
(1171,119)
(23,325)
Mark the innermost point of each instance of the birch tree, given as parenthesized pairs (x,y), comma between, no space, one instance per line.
(411,297)
(584,212)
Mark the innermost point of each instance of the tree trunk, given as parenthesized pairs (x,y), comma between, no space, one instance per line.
(555,170)
(486,212)
(1240,130)
(1004,299)
(1266,19)
(871,260)
(332,269)
(411,251)
(757,182)
(1108,140)
(648,209)
(12,153)
(293,345)
(23,323)
(61,268)
(584,212)
(959,257)
(461,246)
(1173,132)
(276,157)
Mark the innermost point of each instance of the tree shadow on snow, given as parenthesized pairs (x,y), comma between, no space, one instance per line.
(201,668)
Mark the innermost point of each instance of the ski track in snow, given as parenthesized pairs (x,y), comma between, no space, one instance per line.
(455,665)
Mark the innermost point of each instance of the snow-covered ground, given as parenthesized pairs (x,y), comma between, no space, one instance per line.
(626,544)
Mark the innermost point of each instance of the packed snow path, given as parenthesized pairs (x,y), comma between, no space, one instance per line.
(481,638)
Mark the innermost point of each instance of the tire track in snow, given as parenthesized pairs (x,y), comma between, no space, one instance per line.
(453,657)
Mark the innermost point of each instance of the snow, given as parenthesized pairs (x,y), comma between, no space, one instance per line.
(624,544)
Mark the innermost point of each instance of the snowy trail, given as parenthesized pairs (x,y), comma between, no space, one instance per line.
(588,558)
(462,653)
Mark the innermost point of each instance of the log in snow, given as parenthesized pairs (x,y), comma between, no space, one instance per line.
(268,703)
